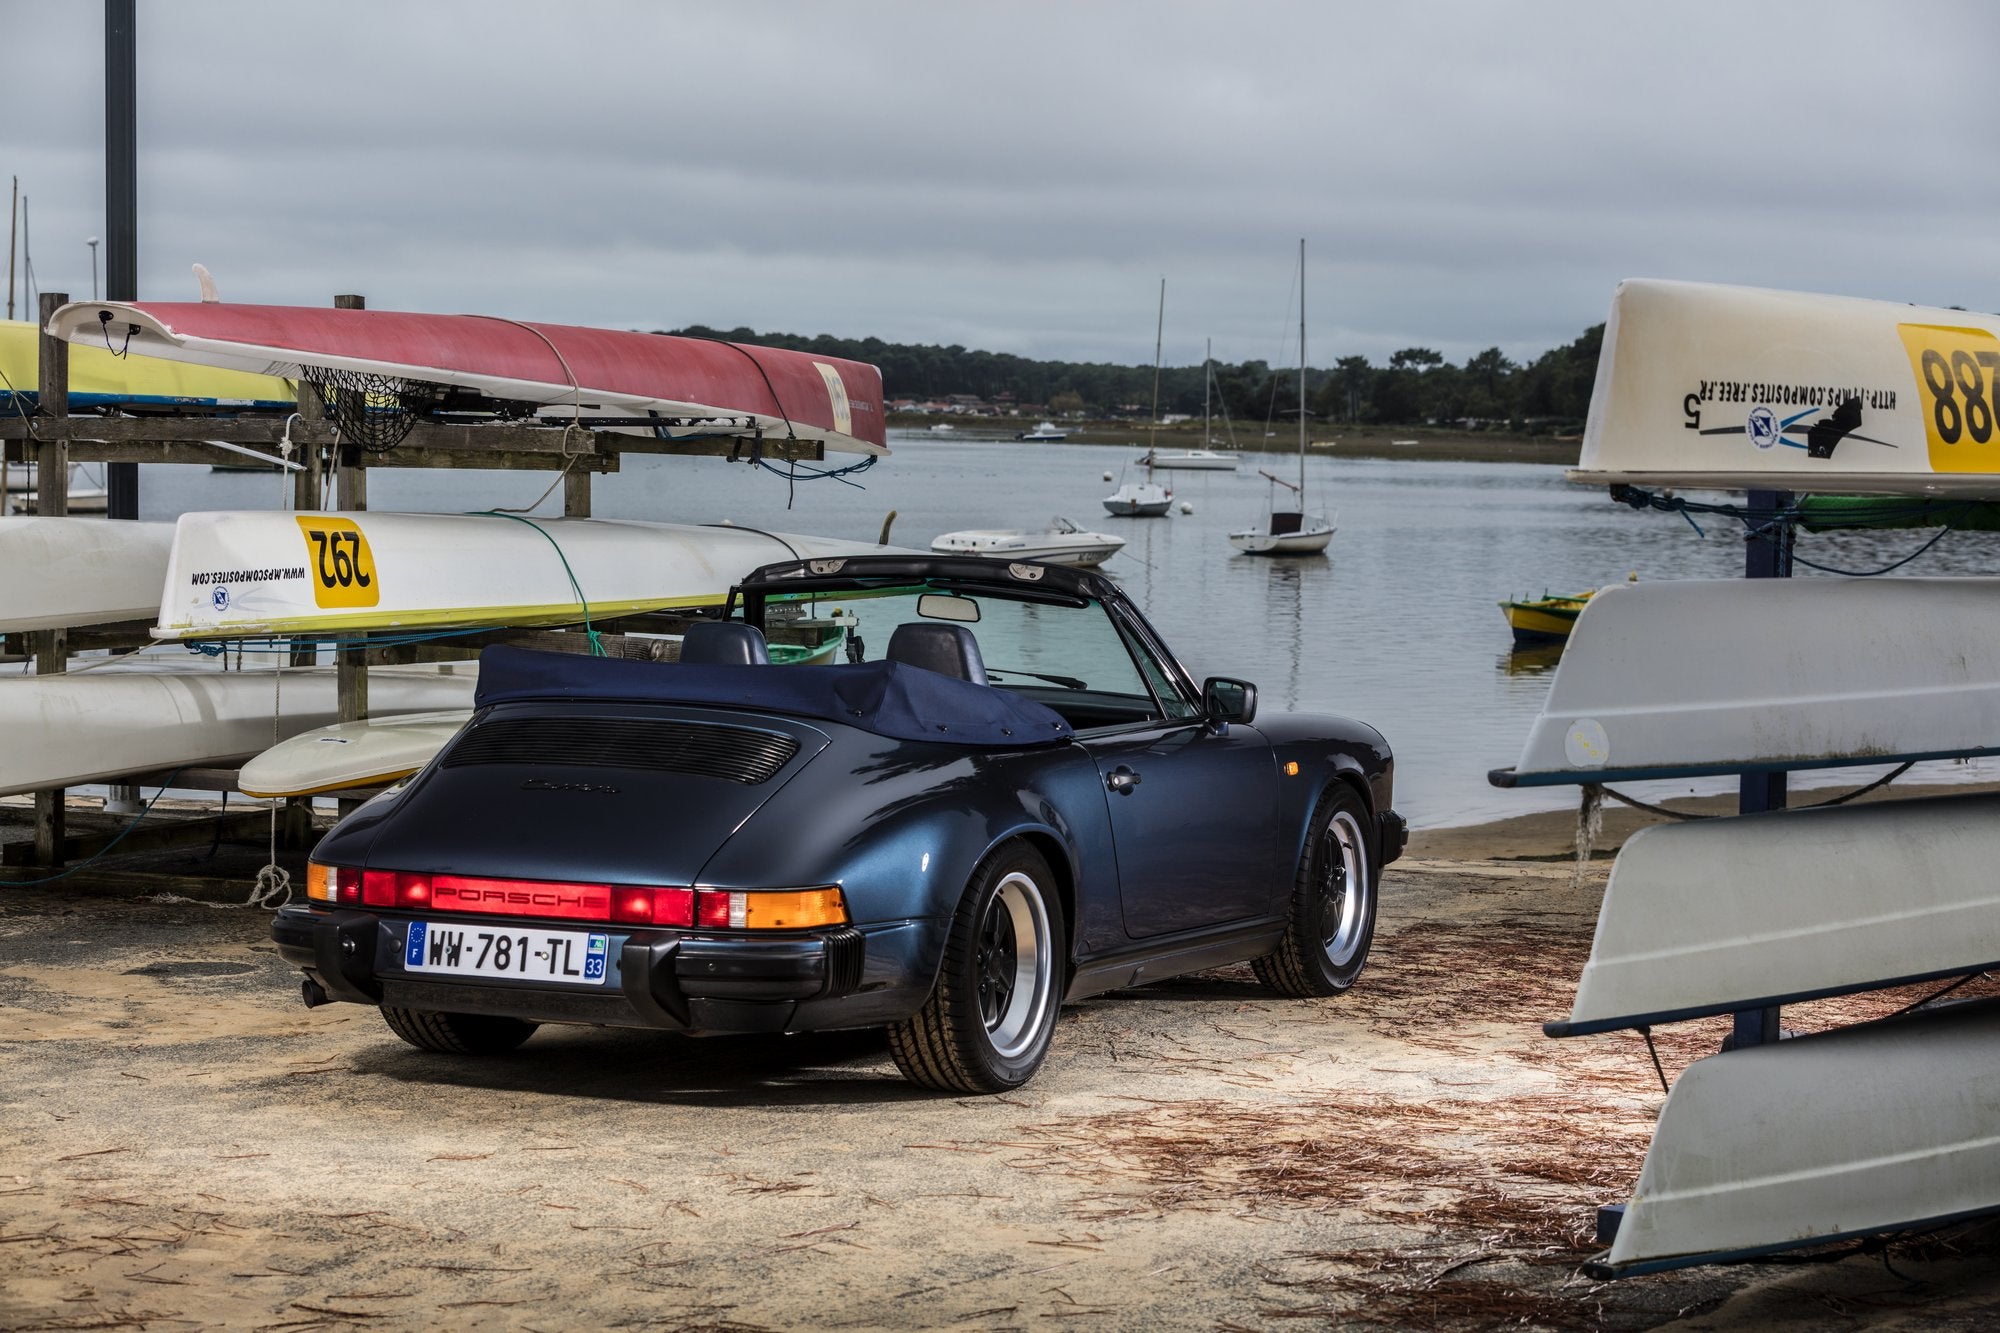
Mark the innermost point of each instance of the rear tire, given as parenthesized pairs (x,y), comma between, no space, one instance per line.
(457,1034)
(1332,919)
(987,1023)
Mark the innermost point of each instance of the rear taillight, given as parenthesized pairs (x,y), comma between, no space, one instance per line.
(623,904)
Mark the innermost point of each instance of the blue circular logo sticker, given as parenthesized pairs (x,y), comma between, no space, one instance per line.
(220,597)
(1762,427)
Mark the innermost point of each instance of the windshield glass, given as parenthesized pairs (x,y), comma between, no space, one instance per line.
(1073,658)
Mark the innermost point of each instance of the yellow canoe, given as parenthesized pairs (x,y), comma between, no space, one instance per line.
(99,377)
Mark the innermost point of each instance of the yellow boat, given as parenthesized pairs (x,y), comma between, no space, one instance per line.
(1545,619)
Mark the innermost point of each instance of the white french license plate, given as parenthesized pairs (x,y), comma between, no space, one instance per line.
(522,954)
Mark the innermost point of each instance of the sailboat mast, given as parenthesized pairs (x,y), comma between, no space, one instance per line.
(1159,330)
(1302,372)
(1207,361)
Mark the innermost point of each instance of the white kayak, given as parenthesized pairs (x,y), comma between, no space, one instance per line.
(246,573)
(60,572)
(367,753)
(1738,388)
(64,730)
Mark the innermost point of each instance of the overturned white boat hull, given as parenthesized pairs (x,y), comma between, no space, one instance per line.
(1891,1125)
(1733,914)
(65,572)
(345,755)
(247,573)
(1718,676)
(65,730)
(1739,388)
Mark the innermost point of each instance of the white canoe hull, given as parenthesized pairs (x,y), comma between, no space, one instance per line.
(368,753)
(1842,1133)
(1738,388)
(1670,679)
(1733,914)
(59,572)
(259,573)
(64,730)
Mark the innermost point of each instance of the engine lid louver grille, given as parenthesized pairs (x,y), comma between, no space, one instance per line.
(733,753)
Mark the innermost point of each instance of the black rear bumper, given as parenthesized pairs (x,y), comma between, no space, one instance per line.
(1394,835)
(662,979)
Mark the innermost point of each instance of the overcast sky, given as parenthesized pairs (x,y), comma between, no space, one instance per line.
(1020,176)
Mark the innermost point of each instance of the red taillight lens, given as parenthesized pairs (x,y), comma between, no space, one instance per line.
(347,885)
(395,888)
(653,907)
(713,910)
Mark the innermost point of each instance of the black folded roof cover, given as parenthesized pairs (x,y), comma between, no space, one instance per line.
(887,698)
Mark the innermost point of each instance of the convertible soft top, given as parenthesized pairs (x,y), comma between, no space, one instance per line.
(887,698)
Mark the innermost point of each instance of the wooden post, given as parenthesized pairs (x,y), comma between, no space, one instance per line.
(51,646)
(576,494)
(350,671)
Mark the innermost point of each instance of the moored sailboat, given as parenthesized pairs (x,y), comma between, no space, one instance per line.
(1290,529)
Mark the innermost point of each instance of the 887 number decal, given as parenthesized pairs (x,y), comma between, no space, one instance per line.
(1959,369)
(341,566)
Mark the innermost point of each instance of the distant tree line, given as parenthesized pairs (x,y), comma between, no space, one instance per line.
(1552,392)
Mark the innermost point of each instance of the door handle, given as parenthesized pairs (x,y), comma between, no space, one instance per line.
(1121,780)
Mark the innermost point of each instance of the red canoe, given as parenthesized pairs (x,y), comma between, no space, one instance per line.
(606,372)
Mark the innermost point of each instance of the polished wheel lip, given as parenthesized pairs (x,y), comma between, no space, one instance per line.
(1343,887)
(1015,972)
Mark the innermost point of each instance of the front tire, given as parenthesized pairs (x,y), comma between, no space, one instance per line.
(457,1034)
(1332,919)
(987,1023)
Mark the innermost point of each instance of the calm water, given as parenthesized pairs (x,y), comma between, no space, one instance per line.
(1396,625)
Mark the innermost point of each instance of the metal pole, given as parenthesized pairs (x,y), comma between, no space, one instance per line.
(1767,554)
(121,203)
(13,229)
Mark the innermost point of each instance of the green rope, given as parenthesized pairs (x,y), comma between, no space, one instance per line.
(596,640)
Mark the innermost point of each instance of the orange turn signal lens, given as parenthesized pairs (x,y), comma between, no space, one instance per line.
(789,909)
(319,882)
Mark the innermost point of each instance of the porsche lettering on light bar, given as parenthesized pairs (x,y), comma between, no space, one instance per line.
(625,904)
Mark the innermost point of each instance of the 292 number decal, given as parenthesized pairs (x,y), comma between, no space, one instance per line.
(1959,369)
(341,565)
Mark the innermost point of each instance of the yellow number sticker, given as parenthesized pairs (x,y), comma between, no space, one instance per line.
(339,561)
(1959,372)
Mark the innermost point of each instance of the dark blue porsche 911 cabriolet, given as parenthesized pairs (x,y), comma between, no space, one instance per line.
(1010,794)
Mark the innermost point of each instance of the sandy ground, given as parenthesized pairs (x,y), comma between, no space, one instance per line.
(183,1144)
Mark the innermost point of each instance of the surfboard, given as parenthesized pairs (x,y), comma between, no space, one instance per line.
(569,370)
(1726,915)
(345,755)
(255,573)
(1843,1133)
(80,727)
(1673,679)
(1739,388)
(98,378)
(57,572)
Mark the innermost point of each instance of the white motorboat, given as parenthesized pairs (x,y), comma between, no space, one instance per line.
(1290,530)
(1061,543)
(1189,460)
(1139,499)
(1048,432)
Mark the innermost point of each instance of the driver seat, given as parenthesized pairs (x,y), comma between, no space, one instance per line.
(724,643)
(949,650)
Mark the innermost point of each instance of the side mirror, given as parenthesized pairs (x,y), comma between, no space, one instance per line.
(1224,700)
